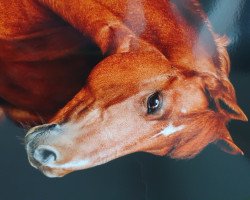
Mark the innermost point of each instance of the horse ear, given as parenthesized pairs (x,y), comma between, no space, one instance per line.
(227,144)
(222,99)
(230,108)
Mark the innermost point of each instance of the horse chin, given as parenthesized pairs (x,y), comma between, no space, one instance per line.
(54,173)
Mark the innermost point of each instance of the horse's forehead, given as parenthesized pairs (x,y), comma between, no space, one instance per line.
(134,70)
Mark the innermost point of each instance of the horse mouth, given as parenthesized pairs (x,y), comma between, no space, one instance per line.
(54,173)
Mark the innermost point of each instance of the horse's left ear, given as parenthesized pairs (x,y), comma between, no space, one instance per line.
(222,99)
(230,108)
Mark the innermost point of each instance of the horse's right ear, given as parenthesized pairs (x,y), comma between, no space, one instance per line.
(226,143)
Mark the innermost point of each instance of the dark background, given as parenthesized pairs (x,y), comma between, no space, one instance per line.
(212,175)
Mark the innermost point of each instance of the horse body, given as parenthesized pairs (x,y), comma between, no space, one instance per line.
(40,51)
(160,86)
(36,55)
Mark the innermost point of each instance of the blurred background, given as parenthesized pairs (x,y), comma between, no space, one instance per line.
(212,175)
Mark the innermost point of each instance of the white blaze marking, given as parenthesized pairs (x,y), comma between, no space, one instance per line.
(170,129)
(183,110)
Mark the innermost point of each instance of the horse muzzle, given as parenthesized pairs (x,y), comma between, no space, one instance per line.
(40,152)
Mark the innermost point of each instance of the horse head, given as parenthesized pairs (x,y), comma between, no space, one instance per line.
(145,104)
(169,96)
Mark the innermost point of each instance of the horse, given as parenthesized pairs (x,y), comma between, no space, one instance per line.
(103,79)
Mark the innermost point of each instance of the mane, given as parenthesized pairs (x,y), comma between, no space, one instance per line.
(221,41)
(195,15)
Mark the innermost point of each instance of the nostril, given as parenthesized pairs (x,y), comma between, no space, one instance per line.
(45,155)
(50,126)
(44,128)
(41,131)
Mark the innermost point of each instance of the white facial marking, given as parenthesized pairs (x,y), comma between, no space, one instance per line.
(183,110)
(71,165)
(170,129)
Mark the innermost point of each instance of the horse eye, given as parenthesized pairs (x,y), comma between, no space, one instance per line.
(154,103)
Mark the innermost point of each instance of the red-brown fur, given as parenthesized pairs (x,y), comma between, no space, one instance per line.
(50,50)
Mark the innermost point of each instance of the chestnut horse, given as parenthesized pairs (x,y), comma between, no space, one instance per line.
(109,78)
